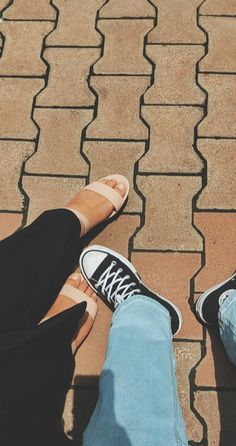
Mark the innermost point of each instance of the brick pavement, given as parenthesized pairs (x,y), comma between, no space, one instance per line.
(146,88)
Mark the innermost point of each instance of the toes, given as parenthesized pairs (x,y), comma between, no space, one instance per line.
(74,279)
(109,182)
(120,187)
(88,291)
(83,286)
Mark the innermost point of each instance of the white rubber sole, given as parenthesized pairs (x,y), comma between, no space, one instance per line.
(130,266)
(200,301)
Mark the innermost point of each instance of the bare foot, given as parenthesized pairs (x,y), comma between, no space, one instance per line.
(63,303)
(94,206)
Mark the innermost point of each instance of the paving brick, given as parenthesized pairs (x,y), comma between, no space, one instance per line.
(221,116)
(217,7)
(123,50)
(59,143)
(124,8)
(171,139)
(3,4)
(221,56)
(9,223)
(168,216)
(76,25)
(177,22)
(30,9)
(12,155)
(16,97)
(90,356)
(219,231)
(187,356)
(49,193)
(215,370)
(22,48)
(69,70)
(219,411)
(118,107)
(78,409)
(221,169)
(169,275)
(105,157)
(175,73)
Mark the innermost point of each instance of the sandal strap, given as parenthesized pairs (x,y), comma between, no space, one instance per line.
(108,192)
(78,297)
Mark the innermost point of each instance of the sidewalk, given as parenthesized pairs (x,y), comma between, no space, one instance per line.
(146,89)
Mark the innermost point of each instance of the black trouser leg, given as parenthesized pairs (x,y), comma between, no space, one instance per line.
(34,264)
(36,362)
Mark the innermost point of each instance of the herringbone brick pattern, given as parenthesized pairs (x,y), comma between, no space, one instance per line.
(146,88)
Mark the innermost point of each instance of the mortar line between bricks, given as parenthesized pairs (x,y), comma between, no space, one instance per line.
(217,137)
(197,210)
(116,139)
(20,184)
(22,76)
(167,250)
(28,20)
(53,175)
(203,253)
(17,139)
(171,174)
(125,18)
(159,104)
(73,46)
(215,389)
(187,340)
(217,15)
(222,73)
(95,108)
(66,107)
(174,44)
(7,211)
(120,74)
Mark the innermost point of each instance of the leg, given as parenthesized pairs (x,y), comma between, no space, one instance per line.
(35,262)
(138,401)
(227,324)
(36,362)
(34,265)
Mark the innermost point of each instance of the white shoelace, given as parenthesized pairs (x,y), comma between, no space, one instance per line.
(109,279)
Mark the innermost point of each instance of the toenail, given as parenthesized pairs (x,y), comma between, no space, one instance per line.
(75,276)
(121,186)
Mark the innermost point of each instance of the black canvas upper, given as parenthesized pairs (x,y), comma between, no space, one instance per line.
(210,306)
(175,320)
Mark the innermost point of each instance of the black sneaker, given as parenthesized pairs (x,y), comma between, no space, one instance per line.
(115,279)
(208,304)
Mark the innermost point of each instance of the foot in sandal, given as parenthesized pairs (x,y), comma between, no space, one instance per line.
(99,200)
(76,290)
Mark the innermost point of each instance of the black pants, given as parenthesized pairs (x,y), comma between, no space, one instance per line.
(36,361)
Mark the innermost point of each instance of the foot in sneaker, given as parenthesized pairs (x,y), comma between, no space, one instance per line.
(115,279)
(208,304)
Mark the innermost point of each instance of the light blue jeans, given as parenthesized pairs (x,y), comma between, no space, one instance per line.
(138,402)
(227,324)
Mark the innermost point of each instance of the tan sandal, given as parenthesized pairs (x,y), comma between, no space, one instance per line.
(109,193)
(78,297)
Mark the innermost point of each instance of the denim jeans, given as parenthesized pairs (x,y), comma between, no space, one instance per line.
(227,324)
(138,402)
